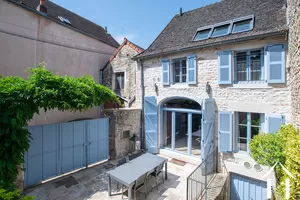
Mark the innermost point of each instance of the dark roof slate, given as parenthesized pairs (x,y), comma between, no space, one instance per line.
(77,21)
(178,34)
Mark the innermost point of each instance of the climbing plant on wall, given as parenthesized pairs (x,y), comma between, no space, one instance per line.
(20,99)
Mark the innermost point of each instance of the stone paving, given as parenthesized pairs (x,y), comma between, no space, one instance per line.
(91,184)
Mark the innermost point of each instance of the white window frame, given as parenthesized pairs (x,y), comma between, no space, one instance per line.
(263,67)
(173,71)
(236,126)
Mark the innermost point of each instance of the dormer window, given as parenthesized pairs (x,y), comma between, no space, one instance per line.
(225,28)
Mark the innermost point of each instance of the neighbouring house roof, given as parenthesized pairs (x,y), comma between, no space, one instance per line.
(77,22)
(269,19)
(135,47)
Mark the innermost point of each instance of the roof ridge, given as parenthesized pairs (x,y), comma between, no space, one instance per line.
(130,44)
(208,5)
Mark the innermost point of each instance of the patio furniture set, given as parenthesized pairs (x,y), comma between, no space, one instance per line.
(134,174)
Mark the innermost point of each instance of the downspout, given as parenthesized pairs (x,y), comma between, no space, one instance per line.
(143,145)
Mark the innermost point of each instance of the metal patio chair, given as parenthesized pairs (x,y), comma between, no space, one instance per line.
(140,183)
(158,170)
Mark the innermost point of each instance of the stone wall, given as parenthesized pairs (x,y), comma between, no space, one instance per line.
(266,98)
(122,120)
(262,98)
(294,61)
(123,62)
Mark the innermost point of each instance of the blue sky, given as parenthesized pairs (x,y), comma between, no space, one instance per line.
(140,21)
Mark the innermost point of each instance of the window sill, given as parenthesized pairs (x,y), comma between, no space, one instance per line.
(251,86)
(179,85)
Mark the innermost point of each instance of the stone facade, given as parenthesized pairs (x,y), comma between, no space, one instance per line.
(260,98)
(122,120)
(123,62)
(294,61)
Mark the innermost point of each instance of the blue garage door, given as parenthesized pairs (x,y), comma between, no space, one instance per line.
(244,188)
(61,148)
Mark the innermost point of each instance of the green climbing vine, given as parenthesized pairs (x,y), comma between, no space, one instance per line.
(20,99)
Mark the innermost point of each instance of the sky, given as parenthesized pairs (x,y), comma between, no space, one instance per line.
(139,21)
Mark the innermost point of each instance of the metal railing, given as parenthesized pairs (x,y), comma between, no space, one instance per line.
(199,179)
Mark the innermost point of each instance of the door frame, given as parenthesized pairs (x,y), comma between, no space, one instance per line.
(161,110)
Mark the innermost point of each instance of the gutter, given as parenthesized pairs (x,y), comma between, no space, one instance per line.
(58,22)
(278,33)
(142,129)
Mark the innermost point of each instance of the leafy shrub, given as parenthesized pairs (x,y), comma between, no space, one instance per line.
(20,99)
(283,147)
(13,195)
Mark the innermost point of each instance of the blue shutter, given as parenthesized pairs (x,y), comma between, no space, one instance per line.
(224,64)
(192,69)
(150,109)
(166,72)
(274,122)
(225,131)
(276,63)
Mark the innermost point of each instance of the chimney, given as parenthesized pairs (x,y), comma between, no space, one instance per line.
(181,12)
(42,7)
(105,29)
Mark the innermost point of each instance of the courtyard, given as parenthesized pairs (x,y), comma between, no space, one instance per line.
(92,183)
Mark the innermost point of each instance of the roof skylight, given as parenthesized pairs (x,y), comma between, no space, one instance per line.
(65,20)
(221,30)
(241,26)
(224,28)
(203,34)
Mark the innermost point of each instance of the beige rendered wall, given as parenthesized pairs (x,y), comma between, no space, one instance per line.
(294,51)
(27,39)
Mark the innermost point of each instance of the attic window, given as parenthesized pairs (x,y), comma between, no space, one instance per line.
(65,20)
(241,26)
(202,34)
(221,30)
(237,25)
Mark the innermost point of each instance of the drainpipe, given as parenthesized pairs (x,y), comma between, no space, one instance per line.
(143,145)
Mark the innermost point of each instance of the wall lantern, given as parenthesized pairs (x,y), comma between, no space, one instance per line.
(208,88)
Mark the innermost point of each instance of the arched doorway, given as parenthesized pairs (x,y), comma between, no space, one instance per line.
(181,126)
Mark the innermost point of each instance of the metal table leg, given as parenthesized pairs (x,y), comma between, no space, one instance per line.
(130,193)
(109,186)
(166,170)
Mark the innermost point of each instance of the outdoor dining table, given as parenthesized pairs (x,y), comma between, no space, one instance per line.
(128,173)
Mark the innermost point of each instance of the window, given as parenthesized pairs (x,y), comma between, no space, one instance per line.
(224,28)
(241,26)
(221,30)
(179,71)
(202,34)
(248,125)
(120,82)
(249,66)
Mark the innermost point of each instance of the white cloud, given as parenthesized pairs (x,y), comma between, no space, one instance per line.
(120,38)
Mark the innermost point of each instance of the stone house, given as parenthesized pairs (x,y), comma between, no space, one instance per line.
(33,31)
(120,74)
(214,78)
